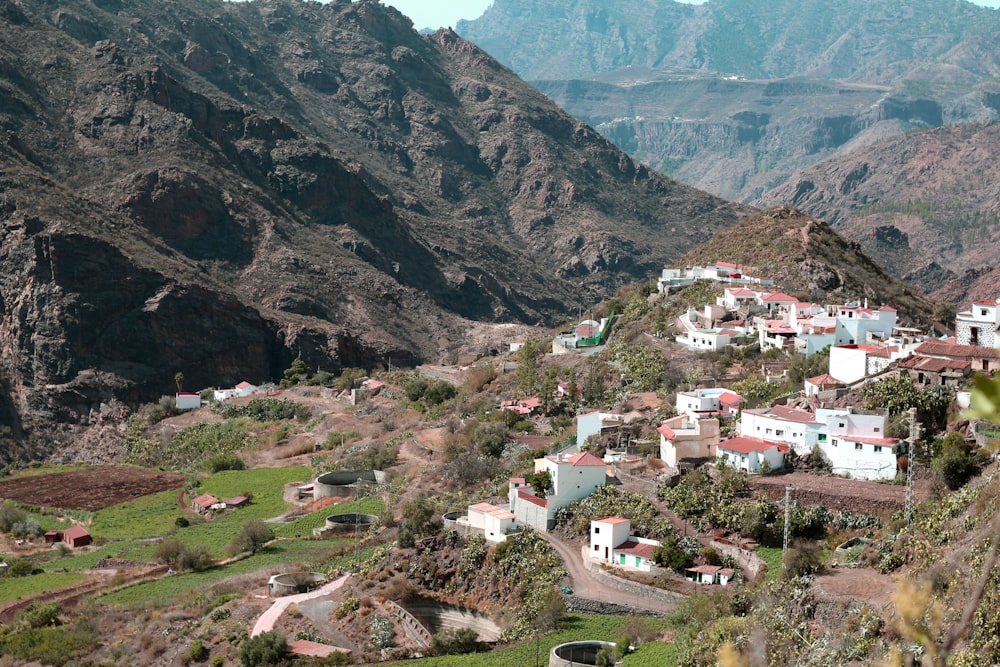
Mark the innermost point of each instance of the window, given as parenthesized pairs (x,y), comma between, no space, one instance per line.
(834,443)
(779,433)
(597,530)
(597,547)
(878,448)
(841,424)
(877,429)
(822,437)
(858,446)
(768,431)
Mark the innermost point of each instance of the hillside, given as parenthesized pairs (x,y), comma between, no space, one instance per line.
(810,260)
(215,188)
(925,206)
(733,97)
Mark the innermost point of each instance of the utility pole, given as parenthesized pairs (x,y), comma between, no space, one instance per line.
(910,464)
(788,523)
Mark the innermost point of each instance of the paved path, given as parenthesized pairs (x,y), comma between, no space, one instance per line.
(585,586)
(270,617)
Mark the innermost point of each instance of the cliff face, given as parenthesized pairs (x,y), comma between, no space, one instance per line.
(214,188)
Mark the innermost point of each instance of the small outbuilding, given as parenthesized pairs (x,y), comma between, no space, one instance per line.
(237,501)
(76,536)
(187,401)
(204,502)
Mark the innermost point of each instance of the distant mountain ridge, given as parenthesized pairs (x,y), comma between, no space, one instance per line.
(734,96)
(851,40)
(215,188)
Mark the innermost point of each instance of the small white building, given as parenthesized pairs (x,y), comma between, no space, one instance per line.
(855,361)
(710,574)
(979,325)
(186,400)
(687,437)
(495,523)
(593,423)
(815,385)
(611,542)
(573,477)
(242,390)
(749,454)
(711,401)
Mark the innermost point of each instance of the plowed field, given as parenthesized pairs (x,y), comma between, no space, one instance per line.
(87,489)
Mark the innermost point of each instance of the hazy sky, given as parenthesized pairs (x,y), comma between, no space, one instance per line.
(440,13)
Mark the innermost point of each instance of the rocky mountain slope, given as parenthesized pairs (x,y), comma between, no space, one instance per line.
(808,259)
(925,206)
(734,96)
(214,188)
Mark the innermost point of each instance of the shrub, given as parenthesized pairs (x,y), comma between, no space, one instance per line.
(42,615)
(254,535)
(455,642)
(806,558)
(670,554)
(197,652)
(195,557)
(224,461)
(9,515)
(267,648)
(382,635)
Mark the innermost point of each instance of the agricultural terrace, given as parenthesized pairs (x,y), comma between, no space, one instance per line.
(88,489)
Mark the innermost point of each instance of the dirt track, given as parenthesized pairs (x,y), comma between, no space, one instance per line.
(88,489)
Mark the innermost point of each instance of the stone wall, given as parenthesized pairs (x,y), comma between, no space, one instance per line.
(751,564)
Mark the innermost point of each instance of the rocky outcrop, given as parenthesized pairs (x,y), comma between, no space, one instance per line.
(217,188)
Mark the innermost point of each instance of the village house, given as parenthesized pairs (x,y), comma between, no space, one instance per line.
(708,402)
(524,407)
(856,361)
(726,272)
(980,359)
(185,400)
(587,333)
(204,502)
(573,477)
(853,441)
(820,384)
(493,522)
(611,542)
(752,455)
(688,438)
(242,390)
(979,326)
(710,574)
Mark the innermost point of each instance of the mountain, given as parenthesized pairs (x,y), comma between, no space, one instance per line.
(808,259)
(734,96)
(216,188)
(926,206)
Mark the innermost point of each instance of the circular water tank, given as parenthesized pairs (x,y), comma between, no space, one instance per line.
(577,654)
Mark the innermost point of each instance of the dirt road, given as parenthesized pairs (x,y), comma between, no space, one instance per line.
(586,586)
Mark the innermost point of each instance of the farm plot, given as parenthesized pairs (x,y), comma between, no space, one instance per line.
(88,489)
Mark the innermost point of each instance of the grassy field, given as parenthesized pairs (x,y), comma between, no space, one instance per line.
(303,526)
(771,556)
(575,627)
(285,554)
(18,587)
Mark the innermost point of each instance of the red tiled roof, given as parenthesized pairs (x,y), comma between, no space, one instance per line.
(988,302)
(517,480)
(501,513)
(205,500)
(636,549)
(824,380)
(786,413)
(887,309)
(745,444)
(611,520)
(730,398)
(705,569)
(870,440)
(585,459)
(244,385)
(779,296)
(940,348)
(741,291)
(934,364)
(532,498)
(667,432)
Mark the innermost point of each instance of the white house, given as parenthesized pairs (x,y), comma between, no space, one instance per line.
(573,477)
(241,390)
(853,442)
(979,325)
(611,542)
(855,361)
(815,385)
(687,437)
(185,400)
(710,574)
(494,522)
(593,423)
(750,454)
(708,401)
(707,340)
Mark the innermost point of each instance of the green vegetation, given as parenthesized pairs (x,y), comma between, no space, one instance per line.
(13,587)
(267,648)
(264,410)
(771,556)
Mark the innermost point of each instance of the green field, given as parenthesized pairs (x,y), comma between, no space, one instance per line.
(574,627)
(18,587)
(771,556)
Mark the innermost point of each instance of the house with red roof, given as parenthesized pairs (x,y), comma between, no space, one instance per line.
(573,477)
(928,371)
(493,522)
(612,542)
(186,400)
(752,455)
(204,502)
(523,407)
(76,536)
(981,359)
(688,438)
(853,441)
(816,385)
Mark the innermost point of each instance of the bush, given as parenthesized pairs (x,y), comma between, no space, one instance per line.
(224,461)
(267,648)
(806,558)
(197,652)
(254,535)
(40,616)
(195,558)
(455,642)
(954,463)
(9,515)
(670,554)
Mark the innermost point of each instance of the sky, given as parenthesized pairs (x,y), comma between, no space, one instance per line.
(446,13)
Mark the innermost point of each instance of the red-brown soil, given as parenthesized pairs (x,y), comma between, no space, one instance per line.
(87,489)
(837,493)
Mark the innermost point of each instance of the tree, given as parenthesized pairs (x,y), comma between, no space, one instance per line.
(267,648)
(254,535)
(670,554)
(805,366)
(169,550)
(296,373)
(488,438)
(550,383)
(179,381)
(945,314)
(419,519)
(527,368)
(757,390)
(954,462)
(195,558)
(551,610)
(541,482)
